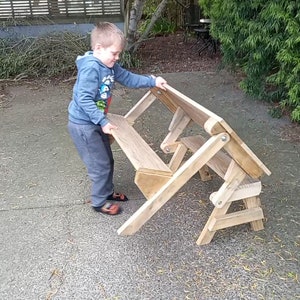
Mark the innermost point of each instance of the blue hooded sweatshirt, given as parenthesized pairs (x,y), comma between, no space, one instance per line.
(92,90)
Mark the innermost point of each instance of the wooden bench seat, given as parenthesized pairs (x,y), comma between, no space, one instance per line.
(136,149)
(151,171)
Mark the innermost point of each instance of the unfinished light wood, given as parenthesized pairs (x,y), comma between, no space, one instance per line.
(233,178)
(218,148)
(207,235)
(136,149)
(150,181)
(204,173)
(178,123)
(219,163)
(253,202)
(179,178)
(138,109)
(243,191)
(177,157)
(200,115)
(152,173)
(236,218)
(174,99)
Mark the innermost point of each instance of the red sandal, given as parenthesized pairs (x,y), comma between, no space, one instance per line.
(108,209)
(117,197)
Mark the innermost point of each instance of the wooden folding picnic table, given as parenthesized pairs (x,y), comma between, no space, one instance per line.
(220,150)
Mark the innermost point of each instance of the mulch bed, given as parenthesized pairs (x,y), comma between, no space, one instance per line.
(170,54)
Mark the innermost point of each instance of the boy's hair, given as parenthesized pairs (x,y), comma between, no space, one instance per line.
(106,34)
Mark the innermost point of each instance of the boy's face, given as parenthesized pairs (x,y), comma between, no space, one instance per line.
(108,55)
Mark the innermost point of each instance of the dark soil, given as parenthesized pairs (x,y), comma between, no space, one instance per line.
(171,54)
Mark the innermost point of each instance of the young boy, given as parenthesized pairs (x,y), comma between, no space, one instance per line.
(88,125)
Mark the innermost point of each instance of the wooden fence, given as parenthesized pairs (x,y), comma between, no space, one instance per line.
(60,10)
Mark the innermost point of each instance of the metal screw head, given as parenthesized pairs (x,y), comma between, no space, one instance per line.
(167,149)
(224,138)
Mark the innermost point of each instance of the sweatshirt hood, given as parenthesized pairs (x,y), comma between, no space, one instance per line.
(88,56)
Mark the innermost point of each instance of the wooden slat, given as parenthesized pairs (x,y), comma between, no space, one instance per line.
(253,202)
(136,149)
(246,158)
(207,235)
(219,163)
(243,191)
(179,122)
(165,99)
(236,218)
(140,107)
(233,177)
(173,98)
(177,157)
(213,126)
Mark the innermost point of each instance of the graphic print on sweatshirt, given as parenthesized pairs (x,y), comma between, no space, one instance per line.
(105,93)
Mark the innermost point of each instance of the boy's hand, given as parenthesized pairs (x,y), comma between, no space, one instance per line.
(159,82)
(108,127)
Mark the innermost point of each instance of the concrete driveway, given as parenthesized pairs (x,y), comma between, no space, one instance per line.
(53,246)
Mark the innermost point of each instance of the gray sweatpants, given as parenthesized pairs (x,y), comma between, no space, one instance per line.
(94,149)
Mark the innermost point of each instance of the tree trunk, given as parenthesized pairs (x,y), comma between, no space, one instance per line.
(161,7)
(135,16)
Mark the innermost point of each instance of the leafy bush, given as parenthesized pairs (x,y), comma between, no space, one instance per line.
(161,27)
(129,60)
(164,25)
(261,37)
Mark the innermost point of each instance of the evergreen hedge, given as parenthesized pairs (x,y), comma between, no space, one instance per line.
(261,38)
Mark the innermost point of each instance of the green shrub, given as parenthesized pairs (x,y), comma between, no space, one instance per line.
(129,60)
(161,27)
(164,25)
(261,37)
